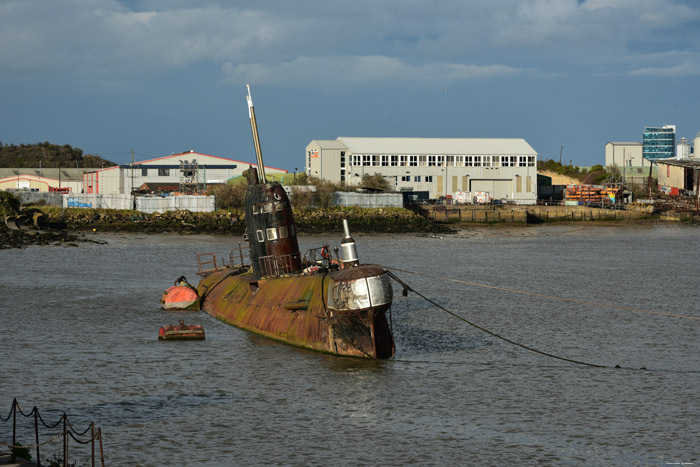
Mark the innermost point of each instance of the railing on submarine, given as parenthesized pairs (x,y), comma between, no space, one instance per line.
(207,263)
(271,265)
(278,265)
(275,266)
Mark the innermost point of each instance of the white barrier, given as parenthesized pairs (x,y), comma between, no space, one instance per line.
(368,200)
(147,204)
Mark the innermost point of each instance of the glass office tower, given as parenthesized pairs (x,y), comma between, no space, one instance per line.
(659,142)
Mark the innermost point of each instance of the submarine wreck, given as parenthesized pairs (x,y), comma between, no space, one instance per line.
(324,300)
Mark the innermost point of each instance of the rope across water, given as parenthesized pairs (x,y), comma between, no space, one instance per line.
(552,297)
(523,346)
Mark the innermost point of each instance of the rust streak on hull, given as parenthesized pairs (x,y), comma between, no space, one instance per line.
(294,310)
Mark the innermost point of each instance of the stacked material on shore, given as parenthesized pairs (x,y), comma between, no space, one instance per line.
(591,193)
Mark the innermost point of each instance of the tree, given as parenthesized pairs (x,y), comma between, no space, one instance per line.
(376,181)
(48,155)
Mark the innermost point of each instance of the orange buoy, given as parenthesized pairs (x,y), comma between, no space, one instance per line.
(181,296)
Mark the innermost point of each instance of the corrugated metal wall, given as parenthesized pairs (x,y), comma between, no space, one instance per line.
(147,204)
(368,200)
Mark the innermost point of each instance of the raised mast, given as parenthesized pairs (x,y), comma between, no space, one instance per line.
(256,138)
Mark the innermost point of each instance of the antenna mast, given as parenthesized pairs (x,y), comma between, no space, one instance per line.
(256,138)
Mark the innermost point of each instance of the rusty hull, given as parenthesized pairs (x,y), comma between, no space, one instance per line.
(293,310)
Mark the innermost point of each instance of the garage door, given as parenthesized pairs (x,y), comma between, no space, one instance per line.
(496,188)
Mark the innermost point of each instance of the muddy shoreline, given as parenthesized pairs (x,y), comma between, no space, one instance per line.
(379,221)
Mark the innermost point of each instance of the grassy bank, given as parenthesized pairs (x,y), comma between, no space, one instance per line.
(362,220)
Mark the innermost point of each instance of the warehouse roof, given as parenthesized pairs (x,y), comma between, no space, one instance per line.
(329,144)
(457,146)
(688,163)
(65,174)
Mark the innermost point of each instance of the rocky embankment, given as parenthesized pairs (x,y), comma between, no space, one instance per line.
(379,220)
(10,238)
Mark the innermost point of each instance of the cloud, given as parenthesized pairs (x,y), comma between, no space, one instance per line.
(355,70)
(363,41)
(677,70)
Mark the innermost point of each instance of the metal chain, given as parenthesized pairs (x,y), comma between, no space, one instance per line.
(32,446)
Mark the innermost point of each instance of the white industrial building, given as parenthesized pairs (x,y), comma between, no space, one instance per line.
(505,168)
(42,179)
(185,173)
(625,154)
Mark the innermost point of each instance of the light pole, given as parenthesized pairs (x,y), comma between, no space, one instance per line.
(18,158)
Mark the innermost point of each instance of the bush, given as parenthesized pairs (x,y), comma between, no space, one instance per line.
(302,199)
(376,181)
(9,204)
(229,196)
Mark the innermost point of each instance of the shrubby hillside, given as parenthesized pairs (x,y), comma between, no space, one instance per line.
(48,155)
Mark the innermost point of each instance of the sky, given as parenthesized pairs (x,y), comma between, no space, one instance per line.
(167,76)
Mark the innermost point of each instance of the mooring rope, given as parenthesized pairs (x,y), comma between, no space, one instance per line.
(498,336)
(551,297)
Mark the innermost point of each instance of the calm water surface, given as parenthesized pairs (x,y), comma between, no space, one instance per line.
(79,333)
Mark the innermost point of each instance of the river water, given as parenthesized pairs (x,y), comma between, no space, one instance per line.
(79,334)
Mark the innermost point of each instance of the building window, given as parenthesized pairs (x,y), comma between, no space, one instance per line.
(422,161)
(357,159)
(144,172)
(441,161)
(429,178)
(413,161)
(505,162)
(260,235)
(416,178)
(342,175)
(522,161)
(283,231)
(366,160)
(405,178)
(477,161)
(459,161)
(487,161)
(468,161)
(342,158)
(384,160)
(431,161)
(513,161)
(530,161)
(272,234)
(163,172)
(395,161)
(450,160)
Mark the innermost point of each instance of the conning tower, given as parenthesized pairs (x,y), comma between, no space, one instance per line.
(274,249)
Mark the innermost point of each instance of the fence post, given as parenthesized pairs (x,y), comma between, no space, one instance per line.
(65,441)
(14,429)
(92,442)
(36,434)
(102,454)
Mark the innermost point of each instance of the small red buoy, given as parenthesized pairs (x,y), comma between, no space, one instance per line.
(181,332)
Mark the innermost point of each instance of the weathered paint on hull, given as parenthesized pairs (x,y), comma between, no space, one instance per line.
(294,310)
